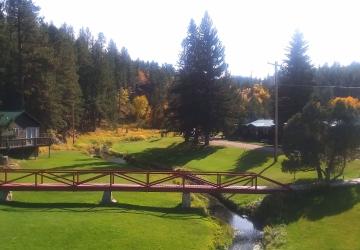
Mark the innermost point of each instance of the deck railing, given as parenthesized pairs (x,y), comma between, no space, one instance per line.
(6,143)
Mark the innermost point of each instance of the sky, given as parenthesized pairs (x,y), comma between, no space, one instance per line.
(253,32)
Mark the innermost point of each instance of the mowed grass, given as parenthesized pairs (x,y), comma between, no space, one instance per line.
(154,220)
(75,220)
(319,219)
(171,152)
(334,217)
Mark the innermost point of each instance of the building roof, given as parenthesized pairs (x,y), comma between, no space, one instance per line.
(7,117)
(262,123)
(22,118)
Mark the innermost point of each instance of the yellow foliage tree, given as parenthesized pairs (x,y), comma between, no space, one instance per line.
(124,105)
(142,109)
(349,102)
(255,101)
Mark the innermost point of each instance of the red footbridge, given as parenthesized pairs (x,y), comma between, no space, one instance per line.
(138,181)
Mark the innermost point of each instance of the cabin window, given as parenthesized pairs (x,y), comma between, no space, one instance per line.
(32,132)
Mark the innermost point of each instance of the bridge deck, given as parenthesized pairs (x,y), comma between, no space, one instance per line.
(140,188)
(141,181)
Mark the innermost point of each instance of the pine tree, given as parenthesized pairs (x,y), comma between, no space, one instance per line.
(295,76)
(67,85)
(85,72)
(202,96)
(183,107)
(23,23)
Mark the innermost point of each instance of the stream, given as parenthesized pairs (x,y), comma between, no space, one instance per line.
(246,235)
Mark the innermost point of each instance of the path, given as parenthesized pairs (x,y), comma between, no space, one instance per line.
(243,145)
(351,182)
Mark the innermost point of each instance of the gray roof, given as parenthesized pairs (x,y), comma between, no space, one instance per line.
(262,123)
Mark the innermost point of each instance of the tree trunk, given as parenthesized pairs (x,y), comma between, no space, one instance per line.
(319,173)
(327,174)
(207,139)
(196,137)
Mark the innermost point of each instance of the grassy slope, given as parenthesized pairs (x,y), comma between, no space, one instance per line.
(318,219)
(169,152)
(335,227)
(60,220)
(158,212)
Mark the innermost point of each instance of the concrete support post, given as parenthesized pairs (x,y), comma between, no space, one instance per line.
(5,196)
(4,160)
(107,198)
(186,200)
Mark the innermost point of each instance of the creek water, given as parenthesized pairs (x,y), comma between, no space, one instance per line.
(246,235)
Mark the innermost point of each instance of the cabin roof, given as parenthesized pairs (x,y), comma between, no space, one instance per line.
(262,123)
(21,118)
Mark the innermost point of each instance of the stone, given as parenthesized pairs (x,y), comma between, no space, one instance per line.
(186,200)
(5,196)
(107,198)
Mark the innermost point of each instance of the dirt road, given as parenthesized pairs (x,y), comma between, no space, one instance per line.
(243,145)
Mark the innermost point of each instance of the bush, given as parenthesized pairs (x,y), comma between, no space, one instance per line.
(274,237)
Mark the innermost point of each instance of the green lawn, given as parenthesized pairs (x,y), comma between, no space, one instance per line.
(64,220)
(319,219)
(327,220)
(171,152)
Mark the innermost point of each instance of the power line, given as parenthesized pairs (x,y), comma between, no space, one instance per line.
(319,86)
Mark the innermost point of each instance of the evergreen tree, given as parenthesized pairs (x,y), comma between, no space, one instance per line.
(202,96)
(85,68)
(23,27)
(183,106)
(296,79)
(104,89)
(67,86)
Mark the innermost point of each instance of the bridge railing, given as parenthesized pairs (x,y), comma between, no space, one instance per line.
(133,180)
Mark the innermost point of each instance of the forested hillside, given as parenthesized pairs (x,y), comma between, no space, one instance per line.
(56,73)
(52,73)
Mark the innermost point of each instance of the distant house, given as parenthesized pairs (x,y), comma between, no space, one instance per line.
(20,134)
(19,125)
(260,130)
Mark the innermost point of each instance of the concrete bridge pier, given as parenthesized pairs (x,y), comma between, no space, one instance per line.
(5,196)
(108,198)
(186,200)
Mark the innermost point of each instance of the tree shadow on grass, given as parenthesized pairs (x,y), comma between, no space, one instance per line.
(177,154)
(93,165)
(176,212)
(312,205)
(252,159)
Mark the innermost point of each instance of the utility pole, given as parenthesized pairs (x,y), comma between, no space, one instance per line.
(73,123)
(276,120)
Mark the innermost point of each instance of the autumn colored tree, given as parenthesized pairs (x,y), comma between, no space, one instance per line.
(255,101)
(142,109)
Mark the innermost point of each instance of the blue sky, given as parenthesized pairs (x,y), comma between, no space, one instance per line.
(254,32)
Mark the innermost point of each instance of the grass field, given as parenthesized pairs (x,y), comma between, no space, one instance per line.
(325,220)
(154,220)
(63,220)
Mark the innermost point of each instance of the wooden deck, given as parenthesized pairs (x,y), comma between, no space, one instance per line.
(25,143)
